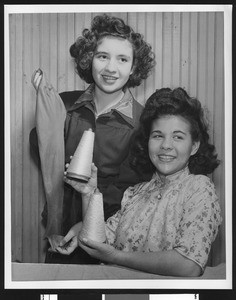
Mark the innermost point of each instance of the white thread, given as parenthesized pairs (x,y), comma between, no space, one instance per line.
(93,224)
(80,165)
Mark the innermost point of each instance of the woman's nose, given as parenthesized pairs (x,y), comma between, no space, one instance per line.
(167,144)
(111,65)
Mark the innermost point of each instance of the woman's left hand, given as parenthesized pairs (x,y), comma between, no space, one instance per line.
(87,188)
(101,251)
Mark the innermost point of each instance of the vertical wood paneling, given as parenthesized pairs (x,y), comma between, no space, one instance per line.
(218,132)
(158,49)
(202,57)
(28,206)
(17,135)
(189,53)
(184,62)
(167,47)
(193,53)
(176,50)
(149,83)
(71,39)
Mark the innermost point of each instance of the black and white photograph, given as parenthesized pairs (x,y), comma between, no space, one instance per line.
(123,193)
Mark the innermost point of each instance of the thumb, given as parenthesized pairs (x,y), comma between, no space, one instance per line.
(66,239)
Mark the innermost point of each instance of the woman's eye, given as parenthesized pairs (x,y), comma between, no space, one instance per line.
(156,136)
(178,137)
(102,57)
(123,60)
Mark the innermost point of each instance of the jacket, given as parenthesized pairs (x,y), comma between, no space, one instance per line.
(114,132)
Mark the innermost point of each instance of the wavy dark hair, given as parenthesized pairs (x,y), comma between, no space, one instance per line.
(178,103)
(103,25)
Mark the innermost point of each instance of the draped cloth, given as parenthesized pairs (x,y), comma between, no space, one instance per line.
(50,118)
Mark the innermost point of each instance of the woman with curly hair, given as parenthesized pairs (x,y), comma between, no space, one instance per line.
(166,225)
(112,58)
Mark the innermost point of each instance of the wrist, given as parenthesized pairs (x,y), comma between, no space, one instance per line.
(88,195)
(117,257)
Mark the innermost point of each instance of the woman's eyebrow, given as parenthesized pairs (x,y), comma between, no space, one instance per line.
(124,55)
(156,131)
(100,52)
(180,131)
(176,131)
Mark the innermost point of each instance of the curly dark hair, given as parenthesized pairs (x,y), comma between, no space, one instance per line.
(174,102)
(103,25)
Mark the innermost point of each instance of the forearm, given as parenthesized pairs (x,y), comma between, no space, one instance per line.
(169,263)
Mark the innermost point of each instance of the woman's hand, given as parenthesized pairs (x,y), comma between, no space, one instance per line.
(87,188)
(36,78)
(70,242)
(101,251)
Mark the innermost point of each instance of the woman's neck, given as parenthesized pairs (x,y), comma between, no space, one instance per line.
(104,101)
(173,175)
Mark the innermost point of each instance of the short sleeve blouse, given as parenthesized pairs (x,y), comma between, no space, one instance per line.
(182,213)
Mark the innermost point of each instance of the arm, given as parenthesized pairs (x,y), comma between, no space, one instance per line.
(70,242)
(169,263)
(197,230)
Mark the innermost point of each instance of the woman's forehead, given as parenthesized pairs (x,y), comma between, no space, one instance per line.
(170,122)
(117,43)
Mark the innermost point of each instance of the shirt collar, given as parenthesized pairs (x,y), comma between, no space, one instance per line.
(124,107)
(171,178)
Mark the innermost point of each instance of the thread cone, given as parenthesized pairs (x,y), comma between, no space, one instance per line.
(93,224)
(80,165)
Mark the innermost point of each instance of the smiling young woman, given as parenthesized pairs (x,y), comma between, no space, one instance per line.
(170,144)
(111,58)
(168,224)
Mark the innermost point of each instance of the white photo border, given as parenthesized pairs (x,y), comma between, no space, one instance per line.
(123,284)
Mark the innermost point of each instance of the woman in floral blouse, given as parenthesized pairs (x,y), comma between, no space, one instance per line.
(167,225)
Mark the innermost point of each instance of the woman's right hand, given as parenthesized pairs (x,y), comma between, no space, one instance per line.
(36,78)
(70,242)
(85,188)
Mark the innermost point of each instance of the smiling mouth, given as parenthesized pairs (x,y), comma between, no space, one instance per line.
(166,158)
(109,78)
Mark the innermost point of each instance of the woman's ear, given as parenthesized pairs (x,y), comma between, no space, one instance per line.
(132,70)
(195,147)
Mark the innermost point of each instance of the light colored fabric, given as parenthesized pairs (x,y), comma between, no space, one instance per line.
(181,212)
(50,118)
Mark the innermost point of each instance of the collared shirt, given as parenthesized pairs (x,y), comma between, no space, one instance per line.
(181,213)
(124,107)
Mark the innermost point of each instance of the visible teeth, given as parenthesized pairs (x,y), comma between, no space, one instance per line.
(166,158)
(109,78)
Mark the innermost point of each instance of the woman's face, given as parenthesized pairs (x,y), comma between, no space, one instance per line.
(112,64)
(170,144)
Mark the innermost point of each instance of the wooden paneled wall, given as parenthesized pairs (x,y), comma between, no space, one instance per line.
(189,53)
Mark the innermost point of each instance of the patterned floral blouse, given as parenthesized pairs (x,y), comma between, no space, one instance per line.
(181,212)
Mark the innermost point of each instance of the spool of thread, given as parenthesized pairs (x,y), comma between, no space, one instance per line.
(80,165)
(93,224)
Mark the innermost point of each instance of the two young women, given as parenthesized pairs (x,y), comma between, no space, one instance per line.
(165,225)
